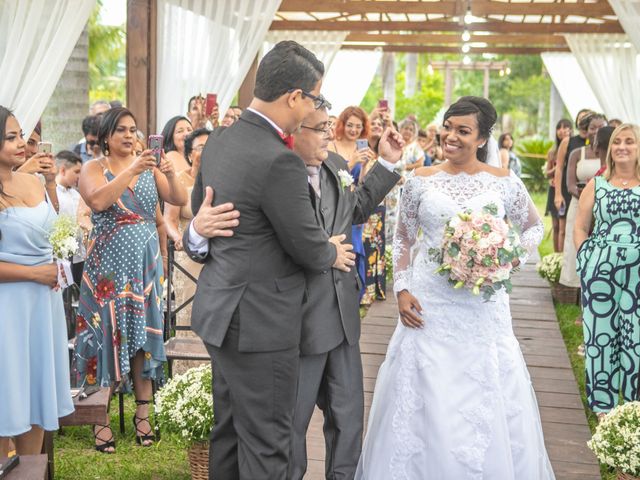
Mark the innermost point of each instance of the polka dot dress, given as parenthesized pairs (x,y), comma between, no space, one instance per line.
(120,309)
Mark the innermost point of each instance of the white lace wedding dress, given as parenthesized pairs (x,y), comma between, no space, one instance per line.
(453,400)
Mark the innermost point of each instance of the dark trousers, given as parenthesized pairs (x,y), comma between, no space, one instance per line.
(253,401)
(333,381)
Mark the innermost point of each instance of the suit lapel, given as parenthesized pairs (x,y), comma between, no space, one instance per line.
(332,178)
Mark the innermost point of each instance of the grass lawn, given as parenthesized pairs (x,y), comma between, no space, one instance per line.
(571,332)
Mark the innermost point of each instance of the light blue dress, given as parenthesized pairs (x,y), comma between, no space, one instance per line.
(34,357)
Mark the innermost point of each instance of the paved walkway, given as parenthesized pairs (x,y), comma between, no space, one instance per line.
(536,327)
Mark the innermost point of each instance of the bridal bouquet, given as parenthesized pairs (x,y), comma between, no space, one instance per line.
(63,239)
(616,441)
(477,251)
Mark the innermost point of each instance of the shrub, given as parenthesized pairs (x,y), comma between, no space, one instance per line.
(550,267)
(533,155)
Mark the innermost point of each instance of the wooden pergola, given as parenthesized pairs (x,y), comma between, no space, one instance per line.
(432,26)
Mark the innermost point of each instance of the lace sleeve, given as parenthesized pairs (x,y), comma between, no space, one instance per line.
(405,235)
(523,214)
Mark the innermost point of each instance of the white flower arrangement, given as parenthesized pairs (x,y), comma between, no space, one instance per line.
(184,406)
(346,180)
(616,441)
(63,237)
(550,267)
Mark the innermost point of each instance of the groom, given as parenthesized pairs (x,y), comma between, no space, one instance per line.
(248,304)
(330,365)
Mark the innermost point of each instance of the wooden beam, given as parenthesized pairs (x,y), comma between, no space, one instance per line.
(449,49)
(141,62)
(479,8)
(453,38)
(361,7)
(442,26)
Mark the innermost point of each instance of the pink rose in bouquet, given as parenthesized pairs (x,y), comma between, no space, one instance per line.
(477,251)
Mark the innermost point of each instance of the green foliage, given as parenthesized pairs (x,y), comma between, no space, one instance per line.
(532,152)
(107,59)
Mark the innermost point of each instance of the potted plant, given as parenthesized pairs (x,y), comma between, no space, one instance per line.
(616,441)
(549,268)
(184,409)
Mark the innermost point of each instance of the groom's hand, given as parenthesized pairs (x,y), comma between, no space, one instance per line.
(410,310)
(345,258)
(390,145)
(215,221)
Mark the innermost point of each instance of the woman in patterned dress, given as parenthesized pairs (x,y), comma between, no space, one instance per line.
(119,327)
(607,264)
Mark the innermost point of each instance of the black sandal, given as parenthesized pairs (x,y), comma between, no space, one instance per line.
(146,437)
(110,443)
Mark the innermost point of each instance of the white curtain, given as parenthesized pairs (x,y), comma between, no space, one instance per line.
(569,79)
(349,77)
(206,47)
(36,41)
(611,64)
(324,44)
(628,13)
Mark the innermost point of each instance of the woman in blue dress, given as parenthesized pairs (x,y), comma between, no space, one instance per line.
(34,362)
(119,328)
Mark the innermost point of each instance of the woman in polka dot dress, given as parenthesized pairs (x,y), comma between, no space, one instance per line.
(119,324)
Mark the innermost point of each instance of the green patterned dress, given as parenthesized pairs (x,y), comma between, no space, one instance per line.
(608,265)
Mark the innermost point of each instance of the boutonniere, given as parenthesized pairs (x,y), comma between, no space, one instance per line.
(346,180)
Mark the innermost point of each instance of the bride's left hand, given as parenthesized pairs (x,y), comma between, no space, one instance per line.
(410,310)
(515,263)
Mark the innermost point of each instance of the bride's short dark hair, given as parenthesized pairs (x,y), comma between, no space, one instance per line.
(485,114)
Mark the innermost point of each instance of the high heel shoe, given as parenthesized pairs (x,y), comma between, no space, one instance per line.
(145,437)
(109,443)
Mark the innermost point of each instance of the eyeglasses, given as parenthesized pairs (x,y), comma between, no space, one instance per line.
(326,131)
(318,102)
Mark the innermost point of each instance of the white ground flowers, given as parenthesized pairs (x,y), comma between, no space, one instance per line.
(184,406)
(550,267)
(617,439)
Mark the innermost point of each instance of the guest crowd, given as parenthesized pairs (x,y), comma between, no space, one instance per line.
(132,205)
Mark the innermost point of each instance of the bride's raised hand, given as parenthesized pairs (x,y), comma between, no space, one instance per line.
(410,310)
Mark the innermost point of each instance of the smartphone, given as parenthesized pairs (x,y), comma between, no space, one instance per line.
(9,465)
(362,144)
(383,104)
(437,139)
(155,143)
(45,147)
(212,101)
(562,210)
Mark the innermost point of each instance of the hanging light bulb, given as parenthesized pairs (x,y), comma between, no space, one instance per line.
(465,48)
(468,18)
(508,71)
(501,72)
(466,36)
(466,60)
(430,69)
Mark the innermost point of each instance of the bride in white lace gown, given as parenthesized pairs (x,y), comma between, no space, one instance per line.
(453,399)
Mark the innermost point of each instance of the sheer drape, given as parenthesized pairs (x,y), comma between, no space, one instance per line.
(36,41)
(569,79)
(324,44)
(628,13)
(610,63)
(206,47)
(349,77)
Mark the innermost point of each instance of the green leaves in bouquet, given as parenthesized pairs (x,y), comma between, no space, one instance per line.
(491,209)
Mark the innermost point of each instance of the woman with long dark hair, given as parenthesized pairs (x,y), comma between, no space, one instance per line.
(34,362)
(174,133)
(453,397)
(563,130)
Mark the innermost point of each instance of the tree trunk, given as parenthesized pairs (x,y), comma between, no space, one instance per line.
(69,104)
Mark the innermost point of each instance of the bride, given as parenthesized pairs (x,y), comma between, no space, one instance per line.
(453,399)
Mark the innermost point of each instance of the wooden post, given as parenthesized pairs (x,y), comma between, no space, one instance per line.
(485,91)
(448,85)
(141,62)
(245,94)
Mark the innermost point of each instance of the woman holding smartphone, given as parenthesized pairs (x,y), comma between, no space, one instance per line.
(120,316)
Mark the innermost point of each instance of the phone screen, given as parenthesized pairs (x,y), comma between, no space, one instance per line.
(45,147)
(362,144)
(155,143)
(383,104)
(212,101)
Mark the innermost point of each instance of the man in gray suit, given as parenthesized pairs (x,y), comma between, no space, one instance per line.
(248,304)
(330,366)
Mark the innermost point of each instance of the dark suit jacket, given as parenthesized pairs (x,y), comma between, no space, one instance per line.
(331,312)
(257,271)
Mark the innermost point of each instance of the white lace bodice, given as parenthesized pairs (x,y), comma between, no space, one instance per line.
(428,202)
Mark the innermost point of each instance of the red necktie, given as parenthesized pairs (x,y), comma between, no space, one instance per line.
(287,139)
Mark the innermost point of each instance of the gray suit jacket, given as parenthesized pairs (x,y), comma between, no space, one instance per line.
(331,312)
(257,271)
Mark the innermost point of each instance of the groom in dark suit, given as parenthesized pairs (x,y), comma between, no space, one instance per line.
(330,366)
(248,304)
